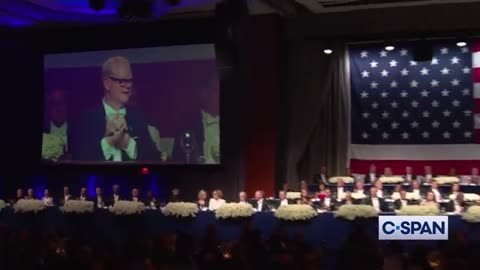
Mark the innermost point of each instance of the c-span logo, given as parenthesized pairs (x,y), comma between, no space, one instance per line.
(413,227)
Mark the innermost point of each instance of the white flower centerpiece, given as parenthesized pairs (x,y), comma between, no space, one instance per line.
(29,206)
(446,180)
(472,214)
(180,209)
(358,196)
(52,147)
(234,210)
(419,210)
(294,195)
(410,196)
(124,208)
(295,212)
(468,197)
(346,179)
(352,212)
(391,179)
(77,207)
(2,204)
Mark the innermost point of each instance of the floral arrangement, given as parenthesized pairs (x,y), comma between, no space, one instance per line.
(468,197)
(77,206)
(234,210)
(346,179)
(52,147)
(180,209)
(122,208)
(295,212)
(419,210)
(410,196)
(2,204)
(26,206)
(472,214)
(294,195)
(352,212)
(444,180)
(391,179)
(358,195)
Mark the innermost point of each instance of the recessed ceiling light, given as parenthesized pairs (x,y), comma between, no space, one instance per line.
(328,51)
(461,44)
(390,48)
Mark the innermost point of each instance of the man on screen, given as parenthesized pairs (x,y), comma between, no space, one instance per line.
(104,133)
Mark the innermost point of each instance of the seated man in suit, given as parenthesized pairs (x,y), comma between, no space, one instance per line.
(328,203)
(415,188)
(387,172)
(339,191)
(115,195)
(375,201)
(436,191)
(66,195)
(135,195)
(428,174)
(409,176)
(30,195)
(458,205)
(260,203)
(322,177)
(83,194)
(282,199)
(381,193)
(150,200)
(475,177)
(399,203)
(104,133)
(348,199)
(99,200)
(372,175)
(242,197)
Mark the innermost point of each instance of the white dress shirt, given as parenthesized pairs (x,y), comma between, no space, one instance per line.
(327,202)
(360,191)
(214,204)
(211,135)
(110,151)
(259,205)
(284,202)
(376,204)
(373,177)
(438,197)
(115,198)
(404,202)
(408,177)
(380,193)
(48,201)
(340,193)
(135,199)
(428,176)
(99,201)
(416,191)
(67,197)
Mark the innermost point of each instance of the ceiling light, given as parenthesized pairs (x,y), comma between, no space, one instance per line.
(390,48)
(461,44)
(328,51)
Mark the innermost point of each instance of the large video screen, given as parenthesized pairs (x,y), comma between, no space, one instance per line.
(143,105)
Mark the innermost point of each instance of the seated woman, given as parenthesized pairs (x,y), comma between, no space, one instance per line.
(458,205)
(305,199)
(216,201)
(455,191)
(47,199)
(430,200)
(321,191)
(202,200)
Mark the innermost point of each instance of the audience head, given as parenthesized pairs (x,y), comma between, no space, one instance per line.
(397,188)
(202,195)
(388,171)
(135,193)
(30,192)
(117,79)
(452,172)
(359,185)
(98,191)
(217,194)
(430,197)
(373,192)
(403,194)
(328,193)
(475,171)
(259,194)
(282,195)
(340,183)
(415,184)
(379,184)
(455,187)
(242,196)
(175,192)
(434,184)
(19,193)
(83,191)
(66,190)
(372,169)
(348,172)
(285,187)
(408,170)
(321,187)
(116,189)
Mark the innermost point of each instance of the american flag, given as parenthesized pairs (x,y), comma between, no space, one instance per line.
(408,113)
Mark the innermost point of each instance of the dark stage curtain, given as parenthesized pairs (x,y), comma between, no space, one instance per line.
(317,96)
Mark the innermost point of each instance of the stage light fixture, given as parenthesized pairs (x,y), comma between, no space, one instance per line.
(328,51)
(390,48)
(97,5)
(461,44)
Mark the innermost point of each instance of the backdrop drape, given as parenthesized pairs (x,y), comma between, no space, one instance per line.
(316,123)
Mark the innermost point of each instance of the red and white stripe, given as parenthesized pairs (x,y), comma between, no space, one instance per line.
(463,157)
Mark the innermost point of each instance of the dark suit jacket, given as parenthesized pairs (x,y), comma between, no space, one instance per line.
(95,201)
(335,191)
(451,206)
(383,205)
(265,204)
(333,205)
(87,132)
(397,204)
(153,200)
(367,180)
(414,177)
(317,179)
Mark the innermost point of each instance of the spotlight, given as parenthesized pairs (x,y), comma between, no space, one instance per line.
(97,5)
(328,51)
(461,44)
(390,48)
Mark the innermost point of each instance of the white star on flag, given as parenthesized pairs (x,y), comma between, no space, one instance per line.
(467,113)
(364,54)
(445,71)
(466,92)
(385,135)
(364,94)
(405,135)
(393,63)
(404,72)
(435,124)
(413,63)
(384,73)
(455,60)
(466,70)
(385,114)
(445,92)
(455,82)
(374,105)
(393,84)
(403,52)
(444,50)
(374,125)
(384,94)
(365,135)
(374,85)
(446,113)
(403,94)
(435,103)
(426,114)
(394,104)
(365,74)
(456,124)
(464,50)
(424,71)
(424,93)
(373,64)
(467,134)
(456,103)
(383,54)
(414,124)
(434,61)
(405,114)
(395,125)
(365,115)
(414,104)
(446,135)
(425,135)
(413,84)
(434,83)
